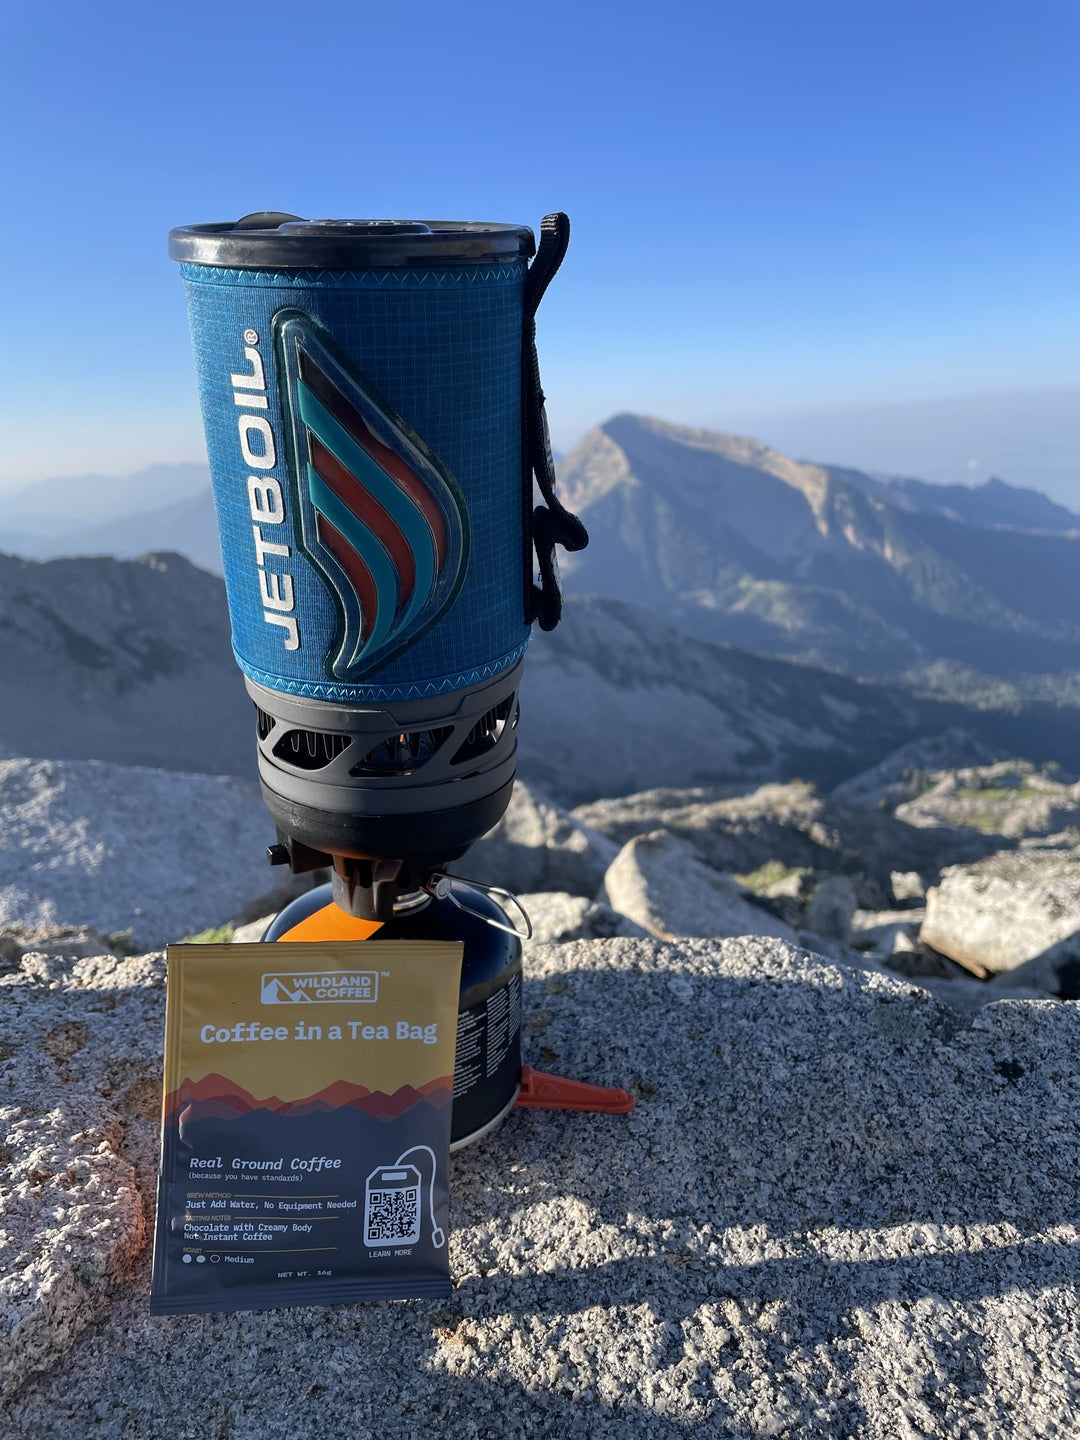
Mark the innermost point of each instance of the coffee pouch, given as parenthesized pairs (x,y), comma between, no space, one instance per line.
(306,1124)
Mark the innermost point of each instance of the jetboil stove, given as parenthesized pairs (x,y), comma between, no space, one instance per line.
(376,431)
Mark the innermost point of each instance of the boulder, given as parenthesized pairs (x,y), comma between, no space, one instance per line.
(783,889)
(1012,798)
(557,917)
(968,997)
(906,885)
(538,846)
(792,826)
(775,824)
(1008,909)
(830,909)
(658,881)
(147,852)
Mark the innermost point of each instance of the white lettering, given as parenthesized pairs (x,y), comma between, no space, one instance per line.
(261,426)
(428,1034)
(265,501)
(288,624)
(257,379)
(266,547)
(276,590)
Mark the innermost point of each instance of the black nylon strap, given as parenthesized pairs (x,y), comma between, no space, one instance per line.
(551,523)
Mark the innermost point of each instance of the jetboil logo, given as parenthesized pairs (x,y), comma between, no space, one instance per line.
(266,503)
(382,518)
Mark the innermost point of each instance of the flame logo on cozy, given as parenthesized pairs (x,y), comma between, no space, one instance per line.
(382,517)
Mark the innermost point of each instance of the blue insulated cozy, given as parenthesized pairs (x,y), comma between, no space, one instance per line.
(375,423)
(362,394)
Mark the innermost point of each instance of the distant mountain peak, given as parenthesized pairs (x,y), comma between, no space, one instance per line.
(742,448)
(732,540)
(643,437)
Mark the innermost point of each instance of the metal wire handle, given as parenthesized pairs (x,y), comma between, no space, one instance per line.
(441,886)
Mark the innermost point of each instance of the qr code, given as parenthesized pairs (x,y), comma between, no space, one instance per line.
(392,1217)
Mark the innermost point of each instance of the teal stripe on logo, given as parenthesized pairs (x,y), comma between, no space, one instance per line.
(370,551)
(386,491)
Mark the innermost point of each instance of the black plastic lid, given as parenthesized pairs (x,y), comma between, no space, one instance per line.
(271,239)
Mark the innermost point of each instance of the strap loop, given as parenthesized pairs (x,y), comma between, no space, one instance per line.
(551,523)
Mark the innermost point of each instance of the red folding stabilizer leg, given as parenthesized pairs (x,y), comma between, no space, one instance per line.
(551,1092)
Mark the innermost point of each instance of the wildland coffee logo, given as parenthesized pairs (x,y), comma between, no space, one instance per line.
(316,987)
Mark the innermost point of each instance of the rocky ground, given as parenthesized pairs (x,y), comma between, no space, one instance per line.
(846,1204)
(142,855)
(839,1209)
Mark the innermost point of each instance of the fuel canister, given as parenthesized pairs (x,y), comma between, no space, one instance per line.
(487,1071)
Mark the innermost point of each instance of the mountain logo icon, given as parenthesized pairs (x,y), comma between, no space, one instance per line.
(274,992)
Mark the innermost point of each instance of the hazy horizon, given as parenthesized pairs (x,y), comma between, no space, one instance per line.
(1029,439)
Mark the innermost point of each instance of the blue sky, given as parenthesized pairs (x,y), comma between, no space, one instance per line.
(784,215)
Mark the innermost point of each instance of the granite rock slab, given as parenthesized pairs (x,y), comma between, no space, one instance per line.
(839,1209)
(557,917)
(1009,910)
(659,882)
(1011,798)
(792,825)
(831,907)
(80,1045)
(85,842)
